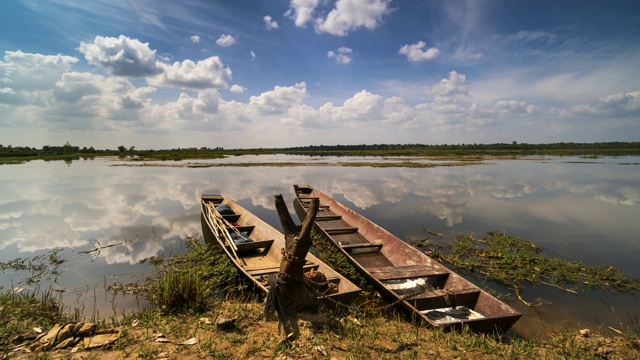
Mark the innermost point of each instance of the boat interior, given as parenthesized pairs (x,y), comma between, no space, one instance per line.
(256,249)
(441,295)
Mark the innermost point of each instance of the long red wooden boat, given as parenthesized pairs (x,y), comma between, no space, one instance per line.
(425,288)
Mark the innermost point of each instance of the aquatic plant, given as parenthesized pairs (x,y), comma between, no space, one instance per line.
(514,263)
(187,281)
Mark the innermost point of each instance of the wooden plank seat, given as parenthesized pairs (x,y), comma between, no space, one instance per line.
(342,230)
(231,217)
(406,272)
(274,269)
(242,229)
(216,199)
(367,247)
(328,217)
(254,245)
(445,298)
(322,207)
(308,198)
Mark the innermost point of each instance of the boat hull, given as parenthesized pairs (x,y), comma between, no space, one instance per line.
(259,259)
(426,289)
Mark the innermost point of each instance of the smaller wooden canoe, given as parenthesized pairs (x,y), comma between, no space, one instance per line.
(256,246)
(425,288)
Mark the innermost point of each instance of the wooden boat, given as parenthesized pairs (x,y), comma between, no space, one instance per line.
(425,288)
(254,247)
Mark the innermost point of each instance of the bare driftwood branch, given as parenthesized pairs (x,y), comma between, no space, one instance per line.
(288,293)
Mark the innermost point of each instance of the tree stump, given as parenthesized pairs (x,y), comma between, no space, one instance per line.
(288,293)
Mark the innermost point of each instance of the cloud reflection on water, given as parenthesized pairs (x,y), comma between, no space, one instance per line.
(587,211)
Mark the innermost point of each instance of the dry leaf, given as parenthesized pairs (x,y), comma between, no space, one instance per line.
(206,320)
(352,319)
(321,350)
(38,330)
(162,340)
(191,341)
(616,330)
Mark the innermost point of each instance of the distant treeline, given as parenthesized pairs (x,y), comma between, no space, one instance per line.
(498,148)
(362,149)
(68,149)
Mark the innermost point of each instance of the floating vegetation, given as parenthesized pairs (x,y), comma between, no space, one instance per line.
(514,263)
(40,267)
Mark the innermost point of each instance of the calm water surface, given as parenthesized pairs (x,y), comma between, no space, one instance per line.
(580,209)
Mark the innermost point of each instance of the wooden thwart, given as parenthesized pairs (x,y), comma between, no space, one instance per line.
(328,217)
(343,230)
(255,245)
(406,272)
(231,217)
(366,247)
(243,229)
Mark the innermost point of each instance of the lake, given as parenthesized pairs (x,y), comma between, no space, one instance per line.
(107,217)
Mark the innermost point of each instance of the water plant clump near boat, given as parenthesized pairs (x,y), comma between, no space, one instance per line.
(514,263)
(187,281)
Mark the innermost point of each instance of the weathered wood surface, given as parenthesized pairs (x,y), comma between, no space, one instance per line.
(288,294)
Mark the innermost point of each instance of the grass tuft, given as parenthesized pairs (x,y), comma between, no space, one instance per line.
(188,281)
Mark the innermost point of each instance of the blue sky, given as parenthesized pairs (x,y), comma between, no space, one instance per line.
(256,73)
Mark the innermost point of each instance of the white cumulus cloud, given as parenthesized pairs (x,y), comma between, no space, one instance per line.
(618,105)
(73,86)
(226,40)
(26,71)
(278,100)
(121,56)
(269,23)
(515,107)
(363,106)
(342,55)
(204,74)
(195,39)
(301,11)
(415,52)
(353,14)
(235,88)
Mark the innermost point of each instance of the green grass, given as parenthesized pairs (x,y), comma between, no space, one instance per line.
(20,312)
